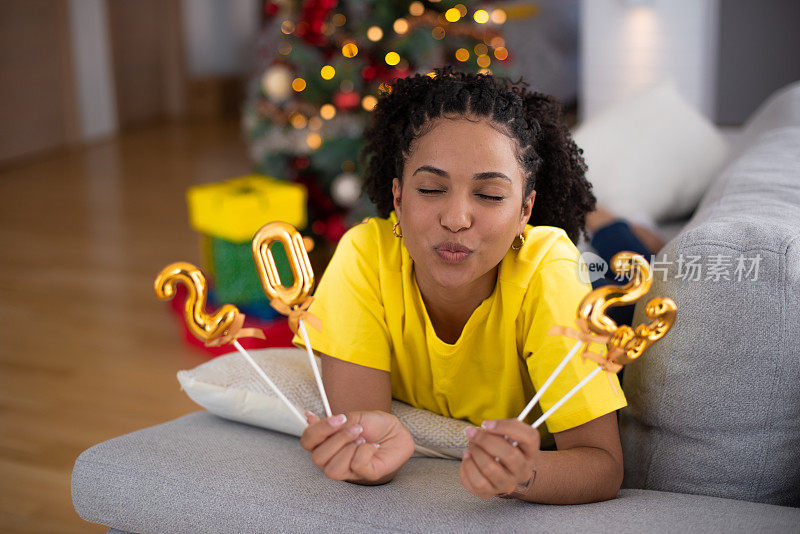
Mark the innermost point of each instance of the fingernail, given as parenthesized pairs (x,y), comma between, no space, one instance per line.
(465,455)
(338,420)
(356,429)
(488,425)
(360,440)
(470,431)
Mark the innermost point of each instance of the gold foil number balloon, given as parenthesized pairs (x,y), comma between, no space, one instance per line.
(662,311)
(303,275)
(204,326)
(593,307)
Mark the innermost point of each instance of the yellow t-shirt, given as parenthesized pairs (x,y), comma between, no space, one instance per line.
(373,315)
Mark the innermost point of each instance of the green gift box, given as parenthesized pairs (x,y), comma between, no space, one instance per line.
(235,278)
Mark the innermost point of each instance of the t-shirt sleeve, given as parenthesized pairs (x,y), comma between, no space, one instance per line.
(552,299)
(348,301)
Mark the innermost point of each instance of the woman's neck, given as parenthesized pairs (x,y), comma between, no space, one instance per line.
(449,309)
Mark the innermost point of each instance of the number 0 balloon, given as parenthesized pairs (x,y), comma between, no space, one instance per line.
(294,300)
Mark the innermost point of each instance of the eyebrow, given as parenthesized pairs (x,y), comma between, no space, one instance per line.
(480,176)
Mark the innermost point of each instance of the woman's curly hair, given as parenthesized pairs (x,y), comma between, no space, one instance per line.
(545,149)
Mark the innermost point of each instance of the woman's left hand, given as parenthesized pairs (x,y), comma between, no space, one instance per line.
(500,459)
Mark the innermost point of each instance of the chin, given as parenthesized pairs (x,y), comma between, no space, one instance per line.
(453,276)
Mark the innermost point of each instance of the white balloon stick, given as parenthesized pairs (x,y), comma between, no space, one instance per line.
(566,397)
(269,382)
(313,362)
(550,379)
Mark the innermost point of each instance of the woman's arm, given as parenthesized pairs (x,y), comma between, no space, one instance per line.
(587,467)
(367,445)
(352,387)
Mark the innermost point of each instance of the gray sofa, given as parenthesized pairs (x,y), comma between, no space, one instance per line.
(711,435)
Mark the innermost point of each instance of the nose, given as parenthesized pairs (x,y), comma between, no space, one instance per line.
(456,214)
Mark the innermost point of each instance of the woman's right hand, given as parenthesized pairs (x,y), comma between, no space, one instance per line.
(366,447)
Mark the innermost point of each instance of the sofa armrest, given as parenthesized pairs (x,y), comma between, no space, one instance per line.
(201,473)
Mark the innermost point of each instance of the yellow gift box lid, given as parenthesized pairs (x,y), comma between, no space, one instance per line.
(235,209)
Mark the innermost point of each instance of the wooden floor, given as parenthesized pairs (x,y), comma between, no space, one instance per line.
(86,350)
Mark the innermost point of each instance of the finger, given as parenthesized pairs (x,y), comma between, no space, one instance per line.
(362,463)
(325,451)
(472,478)
(498,447)
(338,467)
(526,437)
(320,430)
(311,417)
(502,480)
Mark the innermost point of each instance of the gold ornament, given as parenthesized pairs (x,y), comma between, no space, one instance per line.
(394,229)
(521,238)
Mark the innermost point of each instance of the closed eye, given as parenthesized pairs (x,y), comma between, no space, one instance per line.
(490,197)
(429,191)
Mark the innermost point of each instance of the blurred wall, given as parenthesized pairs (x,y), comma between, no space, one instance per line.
(544,46)
(218,35)
(148,60)
(629,44)
(92,68)
(759,53)
(37,94)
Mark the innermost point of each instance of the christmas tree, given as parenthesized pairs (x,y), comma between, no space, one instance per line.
(320,66)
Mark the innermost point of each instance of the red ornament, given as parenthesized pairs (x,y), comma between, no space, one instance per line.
(313,17)
(346,100)
(335,228)
(319,227)
(368,72)
(270,8)
(301,162)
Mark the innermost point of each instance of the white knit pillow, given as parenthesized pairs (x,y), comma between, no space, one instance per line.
(228,387)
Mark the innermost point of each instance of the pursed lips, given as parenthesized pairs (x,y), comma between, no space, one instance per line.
(452,247)
(451,252)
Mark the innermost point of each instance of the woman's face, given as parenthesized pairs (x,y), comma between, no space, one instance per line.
(461,202)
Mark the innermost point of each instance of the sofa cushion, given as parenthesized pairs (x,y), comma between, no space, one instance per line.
(714,407)
(227,386)
(651,155)
(201,473)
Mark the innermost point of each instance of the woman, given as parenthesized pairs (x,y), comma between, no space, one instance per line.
(445,301)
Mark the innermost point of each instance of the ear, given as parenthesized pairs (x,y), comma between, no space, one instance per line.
(397,192)
(527,209)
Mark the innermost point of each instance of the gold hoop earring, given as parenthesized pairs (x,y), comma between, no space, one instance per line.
(521,242)
(394,229)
